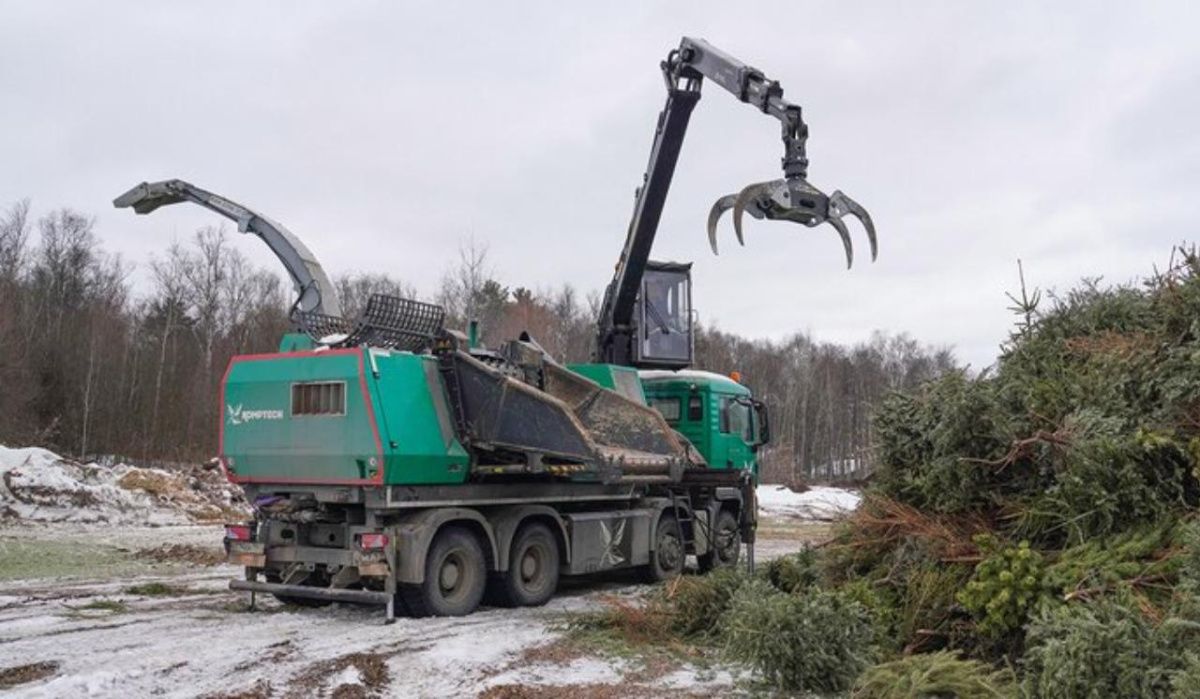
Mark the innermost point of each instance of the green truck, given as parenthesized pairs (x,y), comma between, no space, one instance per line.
(394,461)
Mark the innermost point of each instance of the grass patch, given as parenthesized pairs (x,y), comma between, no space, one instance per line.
(160,589)
(23,559)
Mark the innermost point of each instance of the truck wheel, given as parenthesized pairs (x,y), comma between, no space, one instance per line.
(669,555)
(455,574)
(532,575)
(726,545)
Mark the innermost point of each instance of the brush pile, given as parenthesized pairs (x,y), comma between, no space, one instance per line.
(1040,517)
(1031,531)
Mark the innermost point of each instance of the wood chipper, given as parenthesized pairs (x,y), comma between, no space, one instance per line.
(391,460)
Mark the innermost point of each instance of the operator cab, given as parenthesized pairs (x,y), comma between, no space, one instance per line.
(716,414)
(663,316)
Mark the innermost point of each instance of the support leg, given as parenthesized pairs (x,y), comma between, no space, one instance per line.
(389,586)
(252,575)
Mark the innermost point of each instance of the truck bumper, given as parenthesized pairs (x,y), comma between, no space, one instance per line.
(319,593)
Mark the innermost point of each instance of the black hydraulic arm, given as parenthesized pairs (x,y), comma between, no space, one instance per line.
(616,315)
(791,198)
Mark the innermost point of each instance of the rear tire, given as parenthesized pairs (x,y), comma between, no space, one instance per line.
(455,576)
(726,544)
(669,554)
(532,576)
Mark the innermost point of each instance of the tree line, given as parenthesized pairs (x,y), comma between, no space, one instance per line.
(91,365)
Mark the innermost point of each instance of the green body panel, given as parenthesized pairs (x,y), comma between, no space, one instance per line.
(392,428)
(296,342)
(694,402)
(622,379)
(414,414)
(262,440)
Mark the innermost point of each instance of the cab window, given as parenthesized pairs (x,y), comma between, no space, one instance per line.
(669,407)
(735,419)
(695,408)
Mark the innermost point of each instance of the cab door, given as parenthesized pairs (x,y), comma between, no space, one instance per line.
(735,433)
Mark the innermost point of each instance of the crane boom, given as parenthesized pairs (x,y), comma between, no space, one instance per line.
(791,199)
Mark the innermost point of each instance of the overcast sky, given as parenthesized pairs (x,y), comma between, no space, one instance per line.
(385,134)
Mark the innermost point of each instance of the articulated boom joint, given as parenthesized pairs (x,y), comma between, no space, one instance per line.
(795,139)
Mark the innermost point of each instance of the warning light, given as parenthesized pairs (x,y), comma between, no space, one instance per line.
(736,376)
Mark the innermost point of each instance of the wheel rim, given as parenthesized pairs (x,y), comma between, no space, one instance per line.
(451,575)
(533,566)
(670,552)
(727,544)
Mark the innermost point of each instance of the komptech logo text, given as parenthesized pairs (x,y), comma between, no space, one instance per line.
(235,415)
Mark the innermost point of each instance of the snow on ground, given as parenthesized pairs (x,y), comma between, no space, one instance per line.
(817,503)
(104,637)
(70,607)
(37,485)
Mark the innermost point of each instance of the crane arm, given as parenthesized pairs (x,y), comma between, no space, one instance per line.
(791,198)
(315,292)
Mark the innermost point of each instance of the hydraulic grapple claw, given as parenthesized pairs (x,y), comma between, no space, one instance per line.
(840,205)
(795,200)
(719,207)
(752,198)
(845,236)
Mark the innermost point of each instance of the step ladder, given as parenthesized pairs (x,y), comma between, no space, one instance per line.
(682,511)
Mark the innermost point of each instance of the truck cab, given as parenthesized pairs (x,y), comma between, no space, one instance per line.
(716,413)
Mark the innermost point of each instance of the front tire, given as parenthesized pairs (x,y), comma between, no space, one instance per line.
(455,576)
(669,554)
(726,544)
(533,562)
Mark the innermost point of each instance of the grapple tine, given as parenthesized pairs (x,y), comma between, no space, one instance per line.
(719,207)
(744,197)
(845,235)
(848,206)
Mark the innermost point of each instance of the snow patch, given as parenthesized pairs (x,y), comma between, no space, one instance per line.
(349,675)
(817,503)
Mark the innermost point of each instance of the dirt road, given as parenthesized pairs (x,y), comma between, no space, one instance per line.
(137,612)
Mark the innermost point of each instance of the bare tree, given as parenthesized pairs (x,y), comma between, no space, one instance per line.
(14,235)
(356,288)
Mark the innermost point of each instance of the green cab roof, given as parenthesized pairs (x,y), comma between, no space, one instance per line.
(692,377)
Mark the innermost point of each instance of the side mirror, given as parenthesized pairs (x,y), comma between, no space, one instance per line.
(763,422)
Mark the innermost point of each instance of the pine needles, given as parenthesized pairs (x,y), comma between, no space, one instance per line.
(941,674)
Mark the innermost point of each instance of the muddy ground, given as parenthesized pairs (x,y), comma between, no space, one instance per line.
(146,612)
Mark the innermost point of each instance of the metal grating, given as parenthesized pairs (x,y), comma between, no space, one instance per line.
(323,328)
(388,321)
(320,398)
